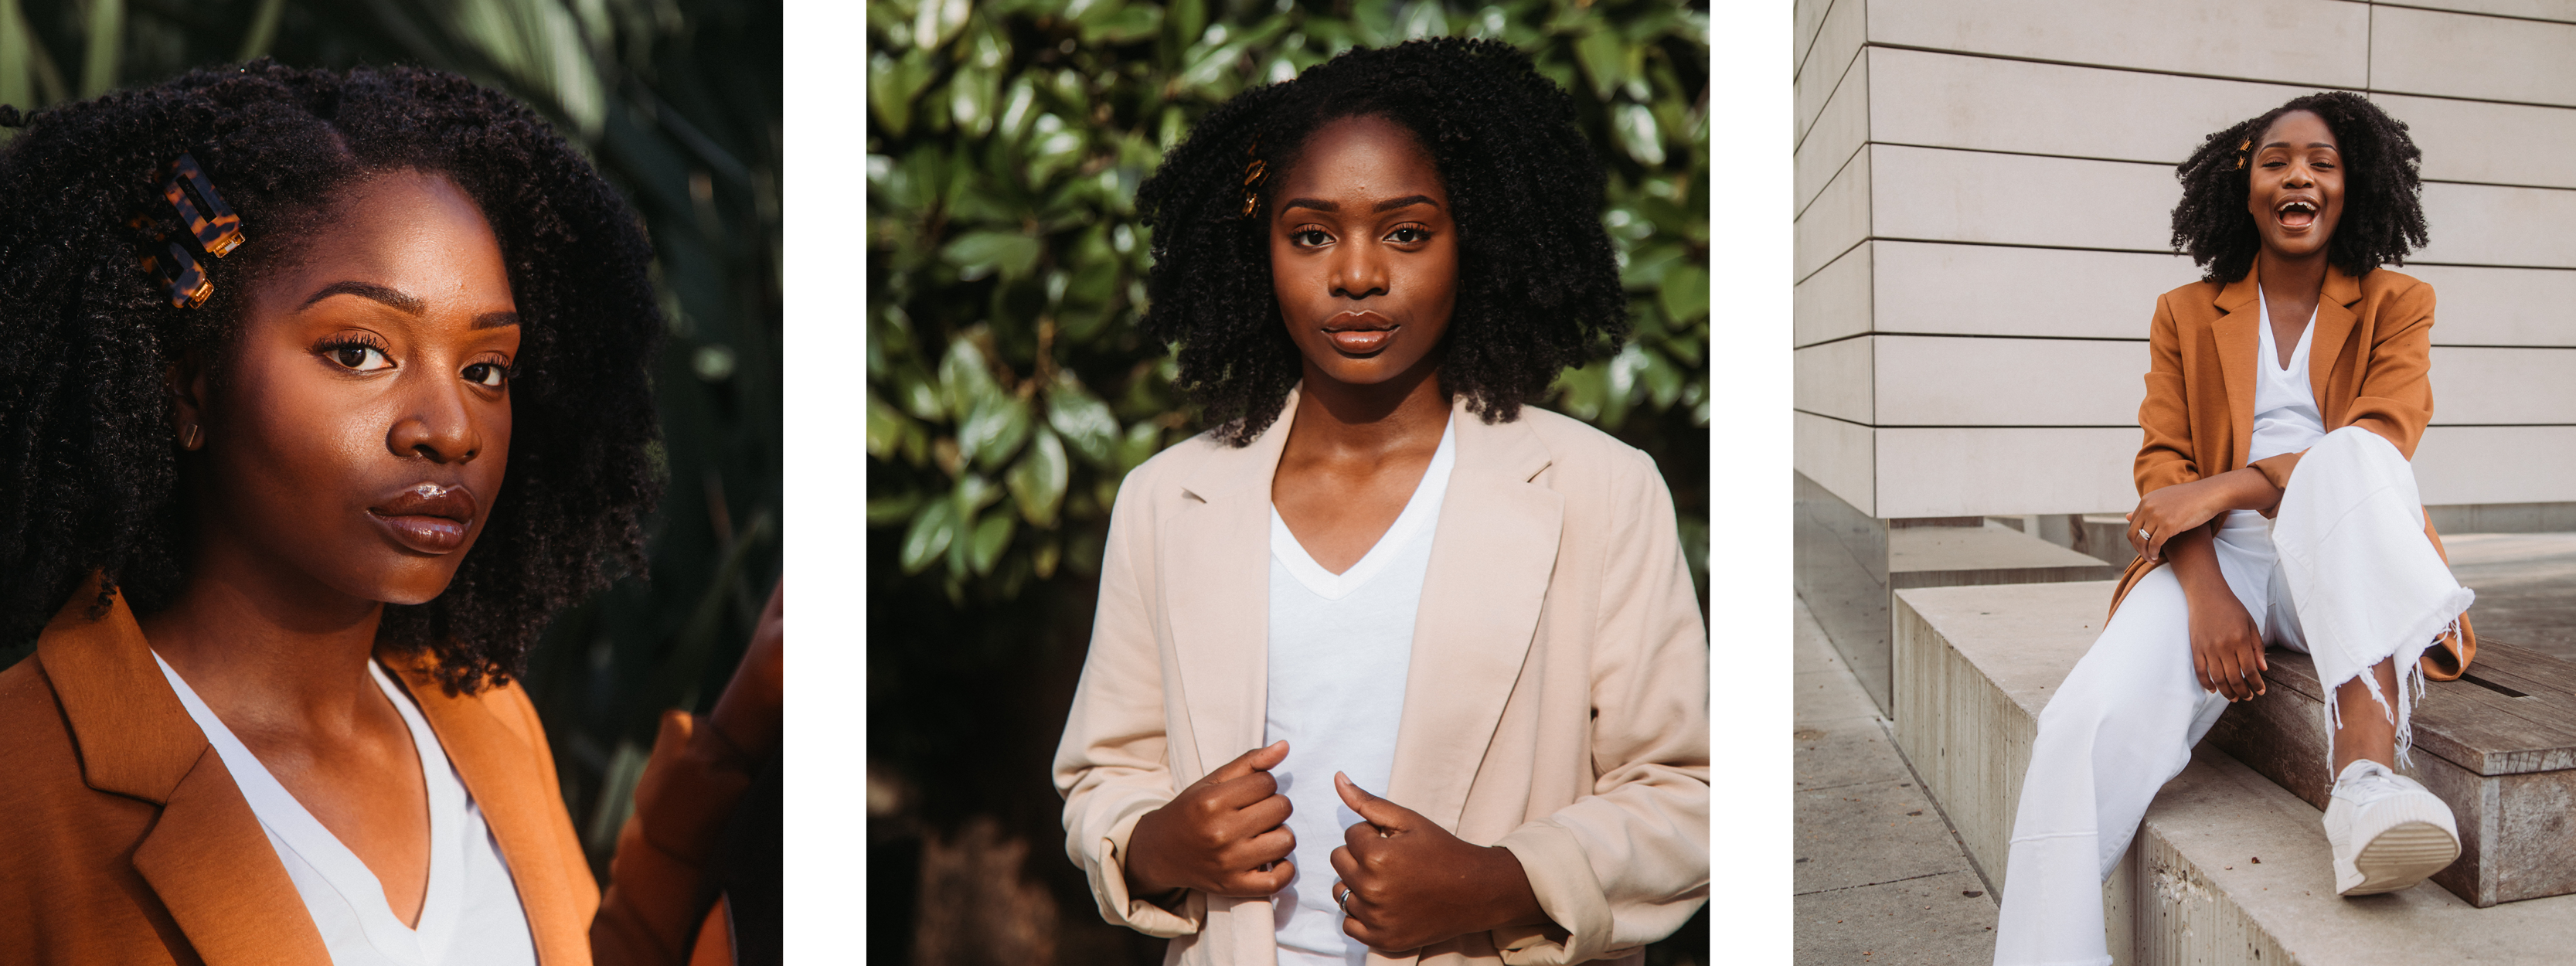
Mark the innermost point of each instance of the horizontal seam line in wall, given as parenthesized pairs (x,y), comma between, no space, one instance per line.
(1984,55)
(1801,213)
(2475,13)
(2497,345)
(1810,50)
(1985,335)
(1988,244)
(1829,263)
(2168,164)
(2502,425)
(1866,885)
(2132,70)
(1837,419)
(1810,126)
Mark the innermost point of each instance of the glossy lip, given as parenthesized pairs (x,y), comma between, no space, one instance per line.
(1360,334)
(427,517)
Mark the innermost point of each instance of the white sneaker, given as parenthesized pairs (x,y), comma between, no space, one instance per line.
(2388,832)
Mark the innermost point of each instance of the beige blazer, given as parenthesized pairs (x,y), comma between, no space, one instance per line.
(1556,703)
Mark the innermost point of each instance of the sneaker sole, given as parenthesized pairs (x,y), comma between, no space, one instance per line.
(2402,856)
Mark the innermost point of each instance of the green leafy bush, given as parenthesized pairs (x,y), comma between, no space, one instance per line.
(1008,390)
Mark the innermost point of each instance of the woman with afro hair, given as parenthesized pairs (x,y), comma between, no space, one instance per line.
(320,393)
(1388,661)
(2288,389)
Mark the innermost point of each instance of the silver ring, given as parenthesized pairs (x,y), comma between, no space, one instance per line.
(1343,899)
(2143,535)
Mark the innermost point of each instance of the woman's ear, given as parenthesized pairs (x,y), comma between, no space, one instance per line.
(186,381)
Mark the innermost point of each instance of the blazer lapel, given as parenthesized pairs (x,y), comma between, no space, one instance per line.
(2326,349)
(2240,344)
(494,765)
(206,858)
(1217,546)
(1492,555)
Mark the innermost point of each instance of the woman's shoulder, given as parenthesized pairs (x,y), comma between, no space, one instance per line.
(2390,285)
(1584,460)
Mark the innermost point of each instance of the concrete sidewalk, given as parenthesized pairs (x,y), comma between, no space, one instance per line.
(1880,876)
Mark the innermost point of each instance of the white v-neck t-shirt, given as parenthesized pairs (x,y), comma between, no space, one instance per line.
(1338,650)
(2286,417)
(471,914)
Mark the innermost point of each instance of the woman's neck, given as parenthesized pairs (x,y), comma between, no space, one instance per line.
(2291,280)
(1359,420)
(272,652)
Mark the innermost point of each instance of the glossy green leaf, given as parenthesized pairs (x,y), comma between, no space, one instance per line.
(1083,420)
(964,379)
(1038,480)
(1685,293)
(885,427)
(991,534)
(994,430)
(929,536)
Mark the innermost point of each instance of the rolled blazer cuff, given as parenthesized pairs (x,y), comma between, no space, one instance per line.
(1561,876)
(1106,862)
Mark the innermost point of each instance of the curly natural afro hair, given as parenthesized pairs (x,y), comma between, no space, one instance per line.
(2383,208)
(1538,283)
(90,473)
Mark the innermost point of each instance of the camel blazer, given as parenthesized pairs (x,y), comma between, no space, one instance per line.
(126,840)
(2369,361)
(1556,703)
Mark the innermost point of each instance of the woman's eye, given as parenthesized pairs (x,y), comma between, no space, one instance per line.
(1309,237)
(361,358)
(1407,235)
(487,374)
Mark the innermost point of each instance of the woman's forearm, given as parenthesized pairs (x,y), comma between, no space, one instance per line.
(2195,562)
(2243,489)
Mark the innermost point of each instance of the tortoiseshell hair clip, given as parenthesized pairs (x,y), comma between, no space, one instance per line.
(212,223)
(1253,172)
(2241,151)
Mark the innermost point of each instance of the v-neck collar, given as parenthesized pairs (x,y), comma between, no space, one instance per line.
(1420,511)
(292,826)
(2271,343)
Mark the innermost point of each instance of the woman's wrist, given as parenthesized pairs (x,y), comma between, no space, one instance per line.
(1515,902)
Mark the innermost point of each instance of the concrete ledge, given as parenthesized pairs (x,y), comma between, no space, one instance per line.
(1982,555)
(1973,667)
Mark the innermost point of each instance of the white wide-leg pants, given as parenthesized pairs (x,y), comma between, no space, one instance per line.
(2343,573)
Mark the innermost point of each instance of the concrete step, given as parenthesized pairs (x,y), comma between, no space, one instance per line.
(1973,666)
(1986,554)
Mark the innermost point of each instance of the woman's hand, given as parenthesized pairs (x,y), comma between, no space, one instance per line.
(2227,649)
(2166,513)
(748,712)
(2226,644)
(1223,835)
(2171,511)
(1407,883)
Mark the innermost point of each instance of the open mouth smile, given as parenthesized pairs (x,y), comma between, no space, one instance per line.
(2296,213)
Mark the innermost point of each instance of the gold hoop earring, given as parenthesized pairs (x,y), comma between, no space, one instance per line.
(196,437)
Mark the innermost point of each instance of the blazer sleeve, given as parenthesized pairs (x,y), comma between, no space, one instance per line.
(659,888)
(1111,766)
(2165,454)
(1628,864)
(2395,399)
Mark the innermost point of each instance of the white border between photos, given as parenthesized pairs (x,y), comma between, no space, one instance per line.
(824,460)
(1751,600)
(825,467)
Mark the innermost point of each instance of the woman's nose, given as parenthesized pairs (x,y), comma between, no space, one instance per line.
(1358,274)
(439,426)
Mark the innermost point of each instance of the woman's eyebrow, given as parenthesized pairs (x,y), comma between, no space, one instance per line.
(399,300)
(1392,204)
(496,320)
(2314,144)
(1316,204)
